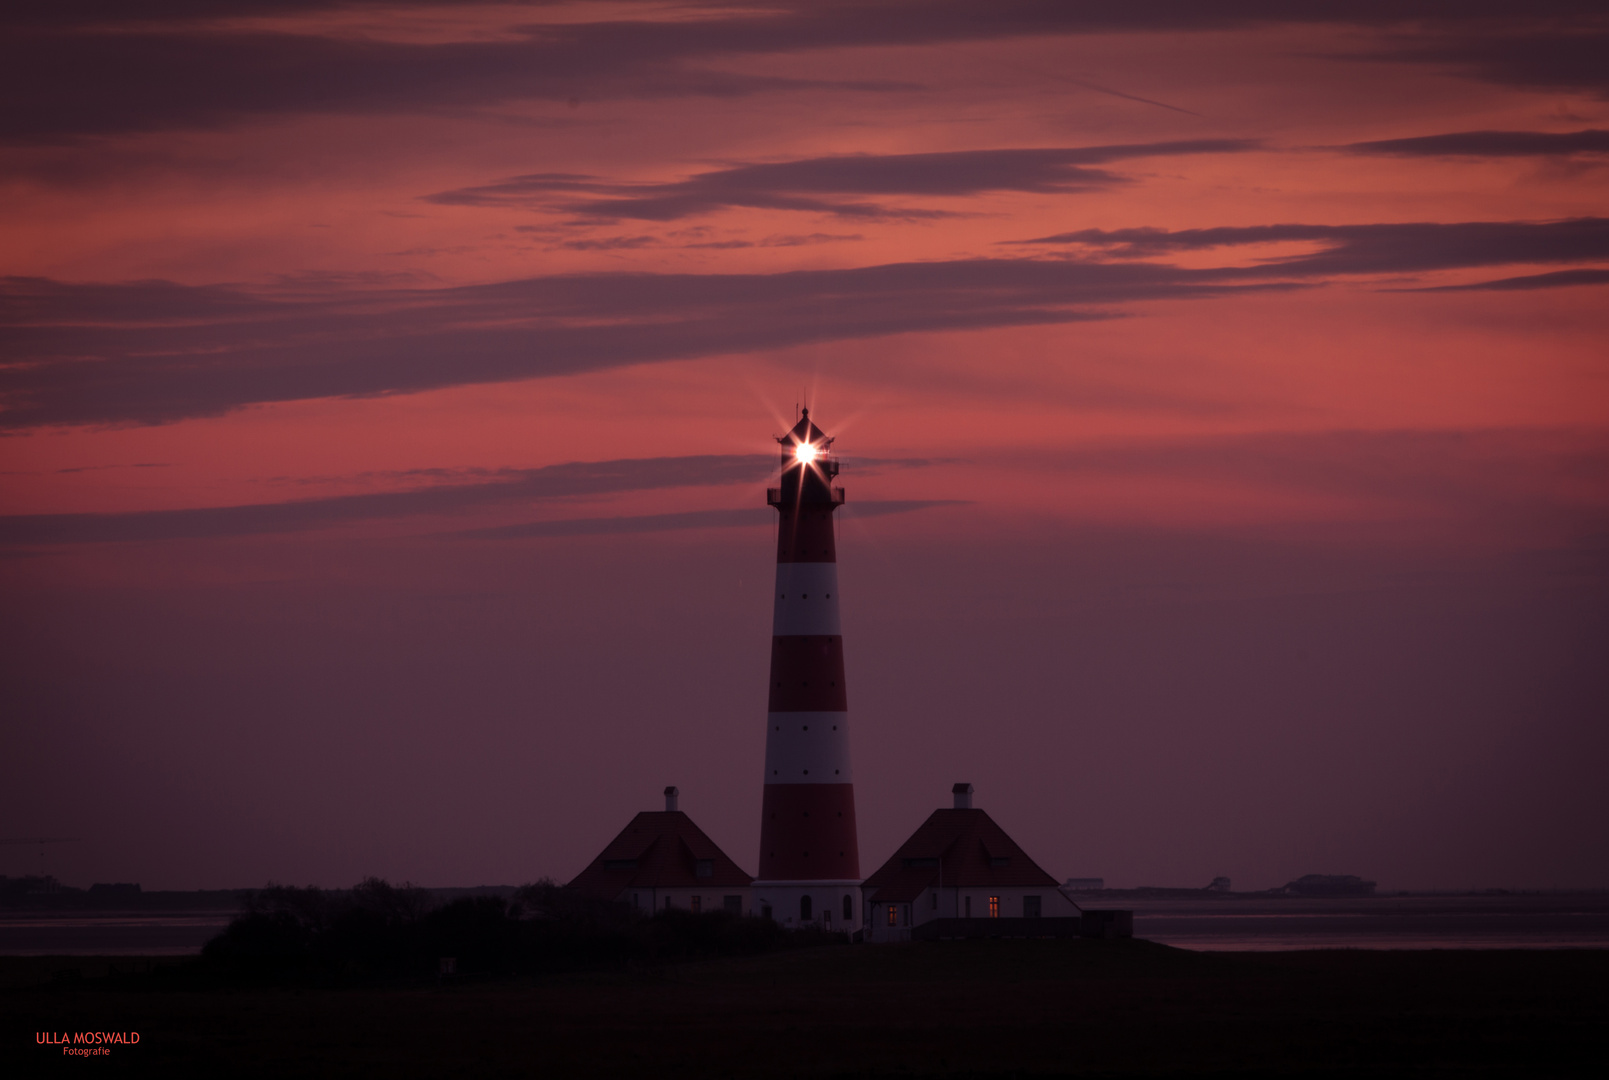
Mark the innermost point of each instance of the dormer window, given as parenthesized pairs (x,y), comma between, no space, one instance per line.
(704,868)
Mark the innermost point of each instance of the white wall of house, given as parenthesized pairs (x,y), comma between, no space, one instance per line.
(706,899)
(894,922)
(784,899)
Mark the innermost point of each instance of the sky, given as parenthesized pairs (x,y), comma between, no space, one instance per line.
(387,394)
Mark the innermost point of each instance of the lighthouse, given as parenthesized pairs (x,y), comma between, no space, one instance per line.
(809,858)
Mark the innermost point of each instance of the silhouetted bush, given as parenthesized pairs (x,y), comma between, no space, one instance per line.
(285,929)
(262,941)
(380,930)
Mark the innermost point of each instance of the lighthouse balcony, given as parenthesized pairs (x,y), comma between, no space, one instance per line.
(773,496)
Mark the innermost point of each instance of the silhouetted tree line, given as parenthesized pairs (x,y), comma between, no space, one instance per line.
(35,891)
(379,929)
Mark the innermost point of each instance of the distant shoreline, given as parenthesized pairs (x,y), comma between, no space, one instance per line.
(71,900)
(1190,919)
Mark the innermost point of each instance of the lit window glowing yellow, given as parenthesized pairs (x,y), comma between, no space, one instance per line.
(805,452)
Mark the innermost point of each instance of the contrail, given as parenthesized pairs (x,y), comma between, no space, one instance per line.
(1129,97)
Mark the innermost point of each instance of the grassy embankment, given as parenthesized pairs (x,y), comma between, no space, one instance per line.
(981,1008)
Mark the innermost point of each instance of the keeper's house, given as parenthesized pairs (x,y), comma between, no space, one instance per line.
(662,860)
(958,865)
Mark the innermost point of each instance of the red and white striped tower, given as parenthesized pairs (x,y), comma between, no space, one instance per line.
(809,858)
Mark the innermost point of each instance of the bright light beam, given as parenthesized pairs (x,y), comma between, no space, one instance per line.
(805,452)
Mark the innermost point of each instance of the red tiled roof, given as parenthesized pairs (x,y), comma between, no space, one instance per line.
(658,850)
(954,848)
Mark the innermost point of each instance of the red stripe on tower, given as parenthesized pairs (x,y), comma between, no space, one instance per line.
(809,857)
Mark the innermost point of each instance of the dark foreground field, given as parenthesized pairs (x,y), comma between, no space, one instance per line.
(981,1008)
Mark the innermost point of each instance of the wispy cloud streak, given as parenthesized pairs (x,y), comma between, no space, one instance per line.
(830,184)
(1558,279)
(1544,476)
(75,69)
(1561,52)
(553,482)
(1408,247)
(151,352)
(1491,144)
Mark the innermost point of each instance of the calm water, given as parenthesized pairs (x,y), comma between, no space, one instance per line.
(108,933)
(1546,921)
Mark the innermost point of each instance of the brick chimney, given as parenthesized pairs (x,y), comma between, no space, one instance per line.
(670,798)
(963,796)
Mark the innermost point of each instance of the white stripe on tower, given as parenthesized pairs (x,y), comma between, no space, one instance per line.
(806,600)
(807,748)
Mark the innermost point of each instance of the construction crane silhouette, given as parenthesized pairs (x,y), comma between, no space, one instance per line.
(41,841)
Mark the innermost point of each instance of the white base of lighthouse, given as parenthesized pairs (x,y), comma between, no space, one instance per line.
(832,904)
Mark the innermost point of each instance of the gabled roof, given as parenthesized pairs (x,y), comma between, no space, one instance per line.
(658,850)
(954,849)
